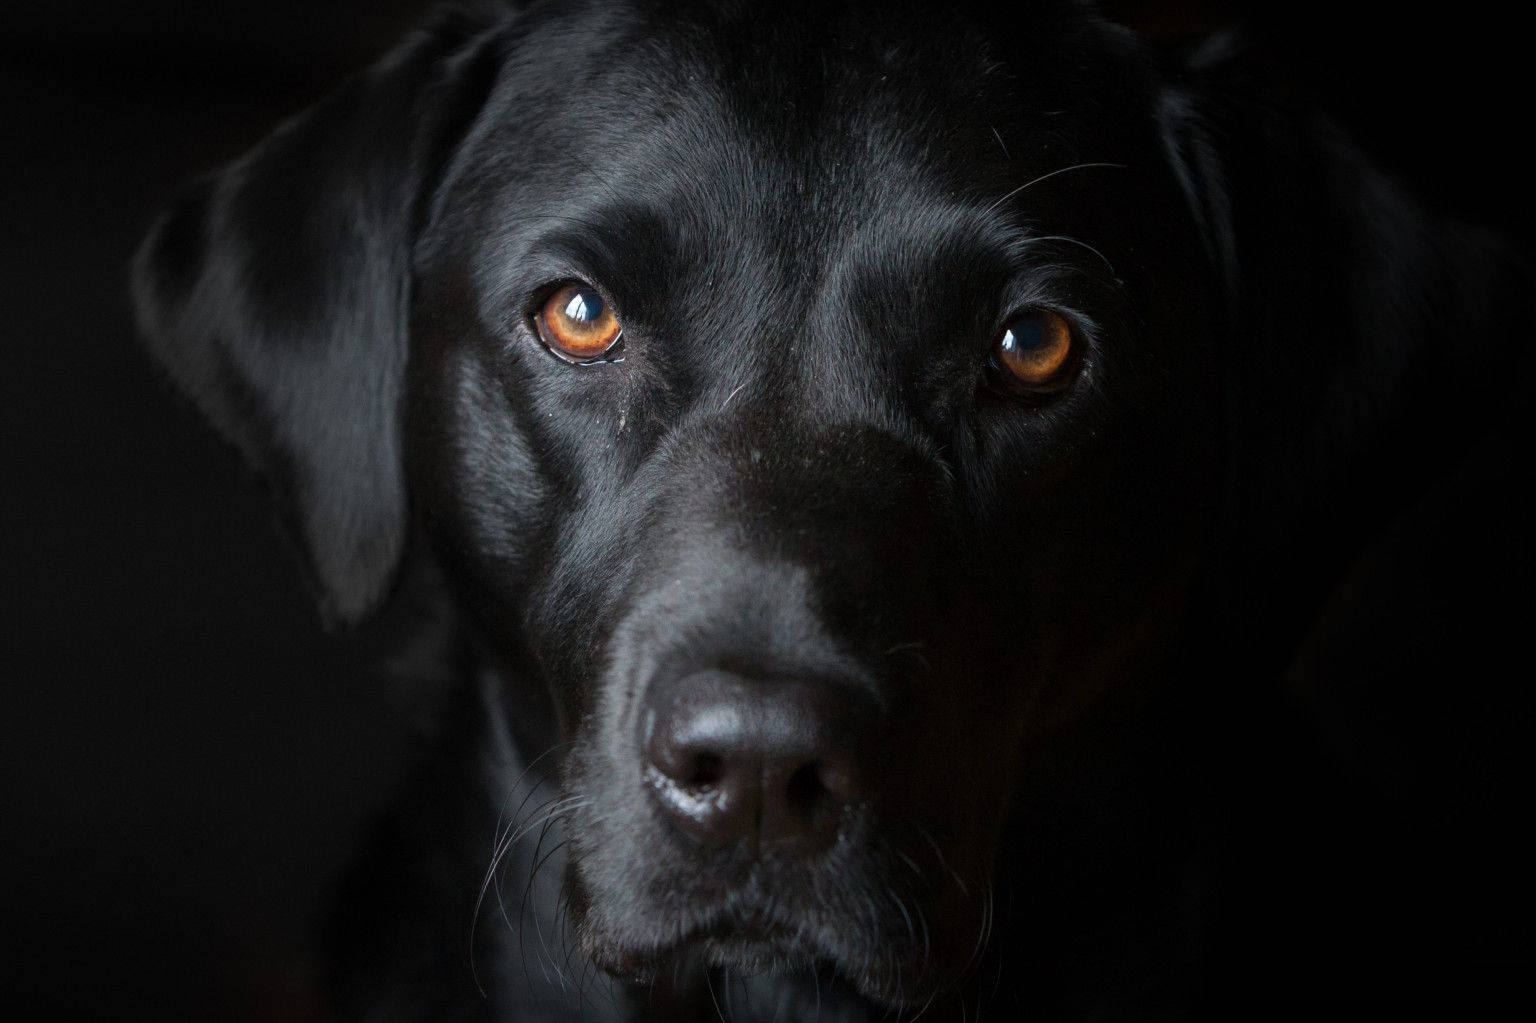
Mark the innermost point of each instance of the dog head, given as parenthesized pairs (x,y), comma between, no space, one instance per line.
(811,407)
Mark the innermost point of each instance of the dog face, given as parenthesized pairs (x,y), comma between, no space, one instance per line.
(811,407)
(712,409)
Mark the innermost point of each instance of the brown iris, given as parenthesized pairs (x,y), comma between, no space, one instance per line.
(1033,354)
(577,323)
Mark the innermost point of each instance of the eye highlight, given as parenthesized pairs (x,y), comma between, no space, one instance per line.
(577,324)
(1033,356)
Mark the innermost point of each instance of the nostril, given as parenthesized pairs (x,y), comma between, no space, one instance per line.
(840,779)
(704,772)
(806,788)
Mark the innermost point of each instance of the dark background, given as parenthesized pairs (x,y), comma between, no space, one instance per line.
(186,759)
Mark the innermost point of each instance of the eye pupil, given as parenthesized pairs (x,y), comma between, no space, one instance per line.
(1023,337)
(584,307)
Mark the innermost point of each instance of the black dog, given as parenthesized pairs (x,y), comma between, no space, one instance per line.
(866,450)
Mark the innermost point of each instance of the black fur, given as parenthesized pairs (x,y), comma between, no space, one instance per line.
(1060,615)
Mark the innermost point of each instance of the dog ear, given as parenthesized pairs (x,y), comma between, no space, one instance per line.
(274,292)
(1370,341)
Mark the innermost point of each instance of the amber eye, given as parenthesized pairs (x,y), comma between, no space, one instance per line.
(1033,355)
(577,324)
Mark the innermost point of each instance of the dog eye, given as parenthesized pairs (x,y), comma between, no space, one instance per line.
(1033,355)
(577,324)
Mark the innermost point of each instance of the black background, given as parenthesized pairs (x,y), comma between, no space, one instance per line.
(186,758)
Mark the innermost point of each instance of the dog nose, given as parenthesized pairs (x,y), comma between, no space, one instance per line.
(771,764)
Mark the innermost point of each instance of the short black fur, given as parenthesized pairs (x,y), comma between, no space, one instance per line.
(796,497)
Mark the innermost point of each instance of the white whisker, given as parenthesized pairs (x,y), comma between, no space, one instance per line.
(1046,177)
(1074,241)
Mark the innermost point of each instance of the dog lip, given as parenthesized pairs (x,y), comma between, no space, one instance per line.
(751,933)
(758,937)
(749,937)
(745,912)
(745,919)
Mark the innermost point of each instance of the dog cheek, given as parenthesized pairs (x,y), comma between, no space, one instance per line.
(475,482)
(606,876)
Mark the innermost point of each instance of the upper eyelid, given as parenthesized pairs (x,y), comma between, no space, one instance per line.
(1079,321)
(559,254)
(1021,303)
(1059,287)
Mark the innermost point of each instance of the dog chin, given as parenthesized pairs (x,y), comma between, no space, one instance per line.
(753,944)
(891,988)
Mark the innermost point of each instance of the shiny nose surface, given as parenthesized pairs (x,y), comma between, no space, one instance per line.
(767,763)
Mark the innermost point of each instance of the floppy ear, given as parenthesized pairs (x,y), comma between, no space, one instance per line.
(274,292)
(1370,342)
